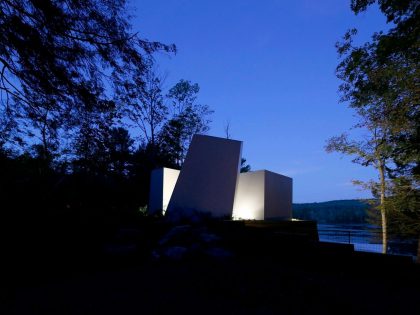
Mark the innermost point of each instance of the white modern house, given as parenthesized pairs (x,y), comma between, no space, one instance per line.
(210,182)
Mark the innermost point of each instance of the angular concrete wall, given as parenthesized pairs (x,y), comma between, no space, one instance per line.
(278,196)
(210,182)
(162,184)
(263,195)
(249,196)
(207,182)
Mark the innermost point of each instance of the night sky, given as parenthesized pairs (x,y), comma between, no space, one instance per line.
(268,68)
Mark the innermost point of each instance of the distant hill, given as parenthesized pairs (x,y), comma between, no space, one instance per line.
(333,212)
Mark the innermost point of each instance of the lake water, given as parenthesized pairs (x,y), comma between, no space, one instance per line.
(365,237)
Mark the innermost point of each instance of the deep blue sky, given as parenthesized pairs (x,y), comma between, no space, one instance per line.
(268,67)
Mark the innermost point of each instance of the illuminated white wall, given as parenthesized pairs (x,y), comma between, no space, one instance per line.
(207,181)
(249,196)
(210,182)
(263,195)
(162,184)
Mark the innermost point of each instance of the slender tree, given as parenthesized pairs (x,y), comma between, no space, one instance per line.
(380,81)
(374,151)
(227,131)
(189,118)
(144,103)
(183,95)
(384,72)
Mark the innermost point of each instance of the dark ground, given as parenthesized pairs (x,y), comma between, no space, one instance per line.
(303,278)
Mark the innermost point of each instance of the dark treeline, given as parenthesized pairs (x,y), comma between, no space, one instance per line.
(104,153)
(83,107)
(84,118)
(334,212)
(95,181)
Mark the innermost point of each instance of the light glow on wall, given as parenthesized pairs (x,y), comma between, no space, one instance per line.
(170,177)
(262,195)
(210,182)
(162,184)
(247,213)
(249,197)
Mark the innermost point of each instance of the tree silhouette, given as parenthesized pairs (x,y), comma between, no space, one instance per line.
(380,81)
(189,118)
(58,56)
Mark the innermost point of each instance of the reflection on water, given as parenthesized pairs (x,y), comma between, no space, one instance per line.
(365,237)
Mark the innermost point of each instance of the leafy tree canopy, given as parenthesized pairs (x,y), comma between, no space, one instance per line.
(381,77)
(59,56)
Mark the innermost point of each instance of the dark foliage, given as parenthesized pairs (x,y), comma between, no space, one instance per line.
(74,77)
(244,168)
(71,44)
(333,212)
(380,78)
(58,60)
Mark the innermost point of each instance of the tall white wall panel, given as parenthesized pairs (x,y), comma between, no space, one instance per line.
(210,182)
(162,184)
(278,196)
(207,182)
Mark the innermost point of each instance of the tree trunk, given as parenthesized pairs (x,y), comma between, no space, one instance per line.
(382,206)
(418,251)
(384,231)
(44,156)
(152,132)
